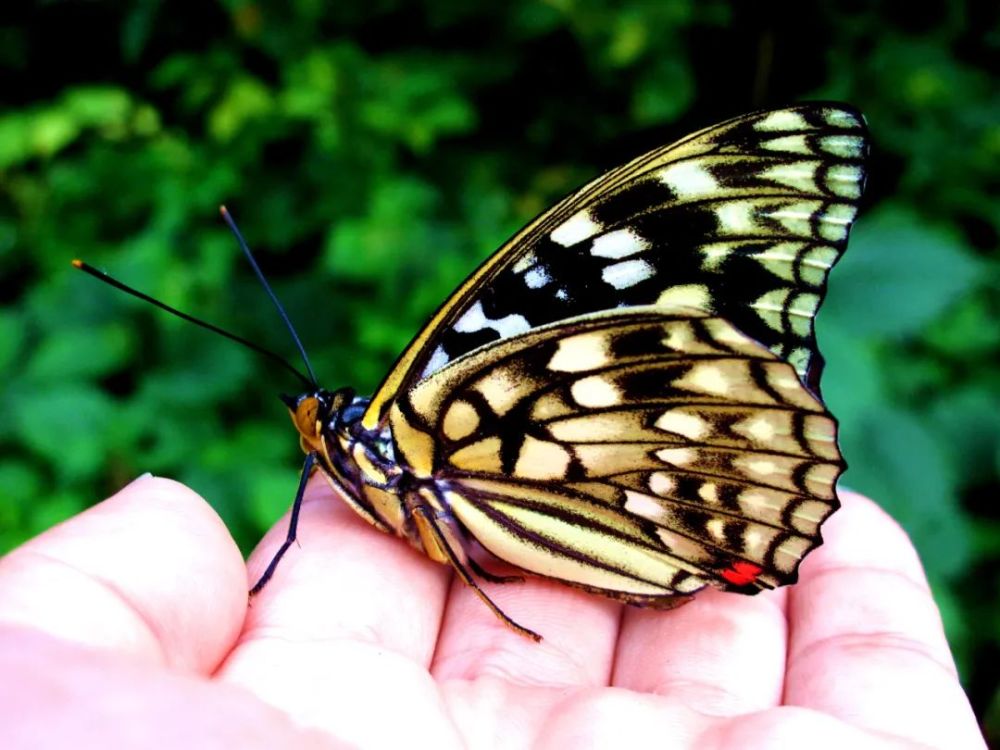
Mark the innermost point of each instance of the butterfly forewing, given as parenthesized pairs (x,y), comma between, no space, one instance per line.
(640,452)
(742,220)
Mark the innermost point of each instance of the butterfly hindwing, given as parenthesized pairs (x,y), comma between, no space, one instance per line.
(640,452)
(742,220)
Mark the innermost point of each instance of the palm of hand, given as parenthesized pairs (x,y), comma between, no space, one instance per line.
(360,640)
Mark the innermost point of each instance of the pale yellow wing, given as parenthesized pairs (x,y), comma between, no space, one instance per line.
(638,452)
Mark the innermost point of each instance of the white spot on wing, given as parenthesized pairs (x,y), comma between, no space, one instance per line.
(682,423)
(844,180)
(706,378)
(576,228)
(627,273)
(511,325)
(677,456)
(643,505)
(662,483)
(795,218)
(525,262)
(688,179)
(595,392)
(835,223)
(846,146)
(709,492)
(537,277)
(475,319)
(618,244)
(587,351)
(761,467)
(689,585)
(714,255)
(792,144)
(782,119)
(840,118)
(472,320)
(686,296)
(800,175)
(716,528)
(736,217)
(438,360)
(753,541)
(759,428)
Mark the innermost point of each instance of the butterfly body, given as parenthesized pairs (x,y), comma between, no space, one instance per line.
(625,397)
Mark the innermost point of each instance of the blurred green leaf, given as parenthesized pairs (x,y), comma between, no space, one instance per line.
(244,101)
(630,38)
(11,338)
(967,330)
(138,26)
(894,456)
(80,352)
(898,275)
(852,379)
(967,422)
(59,426)
(271,495)
(21,490)
(58,506)
(415,102)
(366,247)
(102,106)
(51,130)
(663,91)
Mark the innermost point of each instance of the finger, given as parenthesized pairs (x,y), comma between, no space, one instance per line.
(619,718)
(866,641)
(151,572)
(578,632)
(614,718)
(794,727)
(345,578)
(722,654)
(351,615)
(58,695)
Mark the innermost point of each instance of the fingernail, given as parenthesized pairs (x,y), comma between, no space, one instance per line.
(142,477)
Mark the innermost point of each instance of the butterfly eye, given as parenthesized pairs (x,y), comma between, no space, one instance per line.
(353,412)
(306,417)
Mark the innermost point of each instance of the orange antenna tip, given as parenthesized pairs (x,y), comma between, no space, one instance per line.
(77,263)
(223,210)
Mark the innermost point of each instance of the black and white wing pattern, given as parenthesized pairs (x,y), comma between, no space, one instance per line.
(742,220)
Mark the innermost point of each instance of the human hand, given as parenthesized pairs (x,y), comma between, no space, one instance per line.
(128,625)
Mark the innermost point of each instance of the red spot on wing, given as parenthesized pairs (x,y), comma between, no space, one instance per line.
(741,573)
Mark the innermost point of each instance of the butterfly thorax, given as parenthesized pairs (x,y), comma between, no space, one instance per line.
(358,462)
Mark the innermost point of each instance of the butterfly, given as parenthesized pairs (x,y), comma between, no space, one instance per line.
(625,397)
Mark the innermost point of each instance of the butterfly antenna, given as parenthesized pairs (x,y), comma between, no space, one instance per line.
(110,280)
(270,293)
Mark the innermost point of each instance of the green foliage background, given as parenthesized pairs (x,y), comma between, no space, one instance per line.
(374,152)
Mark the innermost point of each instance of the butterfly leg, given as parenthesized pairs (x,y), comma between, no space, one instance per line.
(430,529)
(483,573)
(293,525)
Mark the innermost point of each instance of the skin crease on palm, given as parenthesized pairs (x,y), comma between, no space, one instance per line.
(128,626)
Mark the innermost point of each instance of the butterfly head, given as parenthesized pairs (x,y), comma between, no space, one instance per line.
(317,412)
